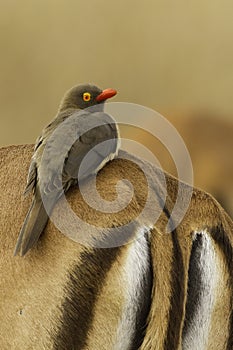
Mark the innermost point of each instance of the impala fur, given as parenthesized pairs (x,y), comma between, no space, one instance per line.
(159,291)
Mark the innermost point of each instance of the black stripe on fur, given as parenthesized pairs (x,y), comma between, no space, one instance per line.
(82,290)
(177,298)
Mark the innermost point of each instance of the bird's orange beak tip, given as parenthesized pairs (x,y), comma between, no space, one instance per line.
(105,94)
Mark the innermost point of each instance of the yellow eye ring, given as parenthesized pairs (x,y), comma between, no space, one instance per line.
(86,96)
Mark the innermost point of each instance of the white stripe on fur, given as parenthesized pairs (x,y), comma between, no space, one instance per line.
(135,270)
(197,333)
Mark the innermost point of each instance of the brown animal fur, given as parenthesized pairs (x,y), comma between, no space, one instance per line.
(63,295)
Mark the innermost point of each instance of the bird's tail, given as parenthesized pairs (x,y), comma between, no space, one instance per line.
(33,226)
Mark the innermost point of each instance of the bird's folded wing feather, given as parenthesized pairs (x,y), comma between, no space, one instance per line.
(32,177)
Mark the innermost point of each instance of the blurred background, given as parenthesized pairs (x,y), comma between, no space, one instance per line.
(173,56)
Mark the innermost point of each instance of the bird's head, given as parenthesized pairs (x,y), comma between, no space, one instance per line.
(84,96)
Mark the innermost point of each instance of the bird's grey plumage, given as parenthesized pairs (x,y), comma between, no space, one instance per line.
(75,145)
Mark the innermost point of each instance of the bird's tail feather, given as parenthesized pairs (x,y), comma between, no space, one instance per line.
(32,228)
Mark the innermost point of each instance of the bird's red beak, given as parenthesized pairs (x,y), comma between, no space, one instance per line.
(105,94)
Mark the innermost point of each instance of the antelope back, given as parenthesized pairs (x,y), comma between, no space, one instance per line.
(156,291)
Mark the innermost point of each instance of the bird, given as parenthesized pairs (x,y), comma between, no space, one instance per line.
(63,155)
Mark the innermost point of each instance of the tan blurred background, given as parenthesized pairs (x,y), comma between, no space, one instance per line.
(173,56)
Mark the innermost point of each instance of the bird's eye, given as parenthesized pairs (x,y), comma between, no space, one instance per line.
(86,96)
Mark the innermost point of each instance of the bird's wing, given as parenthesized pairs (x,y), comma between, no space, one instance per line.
(32,172)
(32,178)
(93,148)
(39,147)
